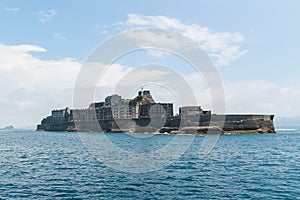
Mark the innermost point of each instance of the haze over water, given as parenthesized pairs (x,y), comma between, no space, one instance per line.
(57,165)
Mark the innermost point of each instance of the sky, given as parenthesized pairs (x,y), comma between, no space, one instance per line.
(43,44)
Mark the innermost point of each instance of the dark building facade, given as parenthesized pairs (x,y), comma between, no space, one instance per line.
(156,110)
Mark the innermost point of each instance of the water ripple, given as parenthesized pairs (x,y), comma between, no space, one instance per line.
(56,165)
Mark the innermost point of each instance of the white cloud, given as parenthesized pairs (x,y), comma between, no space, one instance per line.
(32,86)
(10,9)
(17,56)
(222,47)
(251,96)
(46,15)
(260,96)
(149,39)
(59,36)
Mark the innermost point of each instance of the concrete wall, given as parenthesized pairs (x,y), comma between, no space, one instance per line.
(258,123)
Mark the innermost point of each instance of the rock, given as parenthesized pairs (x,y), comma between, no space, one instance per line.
(146,129)
(167,129)
(201,130)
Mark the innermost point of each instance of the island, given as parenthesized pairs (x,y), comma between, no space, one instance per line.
(7,128)
(143,115)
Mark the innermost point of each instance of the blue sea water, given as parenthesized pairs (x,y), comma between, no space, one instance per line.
(47,165)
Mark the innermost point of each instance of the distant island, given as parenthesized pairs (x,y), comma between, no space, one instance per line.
(7,128)
(143,115)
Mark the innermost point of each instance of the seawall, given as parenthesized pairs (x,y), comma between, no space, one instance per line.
(202,124)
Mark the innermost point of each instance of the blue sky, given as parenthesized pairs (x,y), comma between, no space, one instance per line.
(65,29)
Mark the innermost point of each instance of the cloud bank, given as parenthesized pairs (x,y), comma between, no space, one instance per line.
(222,47)
(30,86)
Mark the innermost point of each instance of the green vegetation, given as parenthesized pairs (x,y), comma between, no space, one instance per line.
(135,100)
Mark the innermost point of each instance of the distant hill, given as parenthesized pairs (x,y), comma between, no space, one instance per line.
(7,128)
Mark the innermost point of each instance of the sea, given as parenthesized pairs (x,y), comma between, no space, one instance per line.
(60,165)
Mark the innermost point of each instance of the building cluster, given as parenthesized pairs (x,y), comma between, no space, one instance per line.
(57,116)
(143,115)
(114,107)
